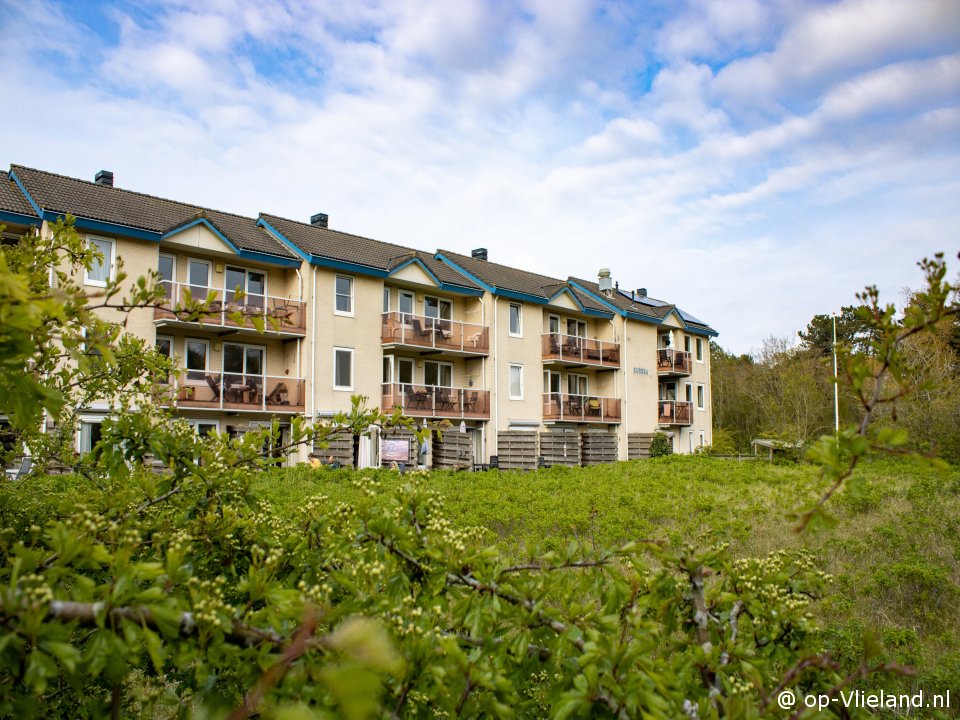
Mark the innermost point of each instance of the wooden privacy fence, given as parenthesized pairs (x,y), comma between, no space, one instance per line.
(598,446)
(517,449)
(453,451)
(560,447)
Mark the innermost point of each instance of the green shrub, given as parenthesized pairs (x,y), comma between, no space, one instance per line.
(660,445)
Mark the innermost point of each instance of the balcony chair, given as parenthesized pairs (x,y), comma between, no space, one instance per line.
(26,465)
(214,382)
(413,397)
(594,407)
(444,399)
(470,401)
(420,331)
(279,396)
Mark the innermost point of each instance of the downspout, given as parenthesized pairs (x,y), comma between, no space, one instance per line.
(626,392)
(313,348)
(300,298)
(496,368)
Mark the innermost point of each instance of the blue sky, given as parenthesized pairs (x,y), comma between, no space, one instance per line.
(754,162)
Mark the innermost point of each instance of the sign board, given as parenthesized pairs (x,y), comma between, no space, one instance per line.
(395,451)
(640,371)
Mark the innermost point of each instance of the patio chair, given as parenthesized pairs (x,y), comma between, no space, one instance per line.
(279,396)
(419,330)
(26,465)
(214,382)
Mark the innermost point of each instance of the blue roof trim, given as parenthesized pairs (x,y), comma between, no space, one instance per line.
(625,313)
(28,196)
(492,289)
(702,331)
(107,227)
(447,287)
(585,310)
(245,254)
(18,218)
(283,239)
(348,266)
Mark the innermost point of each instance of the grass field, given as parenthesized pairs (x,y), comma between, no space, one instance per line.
(894,551)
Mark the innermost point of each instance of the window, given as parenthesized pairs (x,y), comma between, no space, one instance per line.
(700,397)
(576,384)
(197,355)
(436,308)
(663,340)
(89,435)
(553,324)
(699,350)
(689,392)
(167,269)
(516,317)
(701,438)
(198,275)
(668,391)
(243,365)
(551,382)
(387,369)
(405,371)
(342,369)
(205,427)
(101,269)
(251,285)
(437,374)
(405,303)
(576,328)
(164,345)
(516,382)
(386,299)
(686,343)
(343,290)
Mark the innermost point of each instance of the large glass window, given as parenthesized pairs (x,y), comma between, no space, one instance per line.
(700,397)
(343,290)
(242,359)
(197,352)
(342,369)
(405,371)
(576,384)
(102,268)
(553,324)
(686,343)
(167,269)
(405,303)
(437,374)
(516,382)
(89,435)
(577,328)
(689,392)
(436,308)
(516,319)
(250,285)
(198,275)
(699,350)
(386,299)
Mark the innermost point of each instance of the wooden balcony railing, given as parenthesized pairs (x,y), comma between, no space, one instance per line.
(276,315)
(440,402)
(581,408)
(434,333)
(674,362)
(558,347)
(674,412)
(233,391)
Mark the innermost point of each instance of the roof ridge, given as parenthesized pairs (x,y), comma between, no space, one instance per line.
(508,267)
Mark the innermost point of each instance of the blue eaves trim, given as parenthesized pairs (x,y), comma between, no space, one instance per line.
(245,254)
(446,287)
(14,218)
(625,313)
(492,289)
(28,196)
(585,310)
(283,239)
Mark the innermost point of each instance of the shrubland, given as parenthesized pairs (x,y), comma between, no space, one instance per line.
(222,587)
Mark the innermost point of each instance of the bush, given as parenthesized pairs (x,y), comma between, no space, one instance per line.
(660,445)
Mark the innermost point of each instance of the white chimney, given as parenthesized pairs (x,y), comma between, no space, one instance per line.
(604,280)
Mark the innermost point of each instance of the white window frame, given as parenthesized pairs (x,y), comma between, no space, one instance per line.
(413,302)
(206,359)
(439,365)
(700,350)
(192,422)
(440,301)
(579,377)
(112,260)
(519,307)
(579,327)
(688,392)
(701,438)
(386,299)
(388,361)
(246,280)
(86,420)
(339,350)
(519,368)
(551,318)
(352,296)
(413,370)
(245,346)
(701,396)
(687,342)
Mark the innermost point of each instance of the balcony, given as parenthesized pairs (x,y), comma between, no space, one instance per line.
(437,402)
(674,412)
(581,408)
(451,337)
(234,392)
(673,362)
(238,312)
(560,349)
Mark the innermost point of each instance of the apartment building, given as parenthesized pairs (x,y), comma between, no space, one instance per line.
(523,366)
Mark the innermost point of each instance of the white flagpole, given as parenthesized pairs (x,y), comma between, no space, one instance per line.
(836,386)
